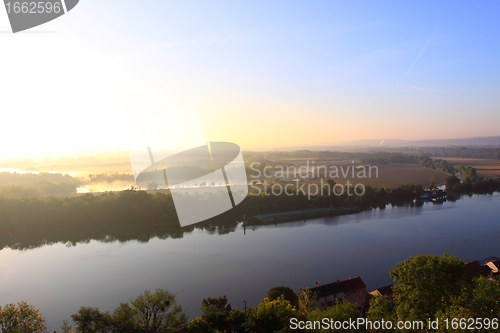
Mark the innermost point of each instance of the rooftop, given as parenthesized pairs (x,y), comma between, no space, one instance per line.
(474,266)
(339,286)
(353,284)
(385,291)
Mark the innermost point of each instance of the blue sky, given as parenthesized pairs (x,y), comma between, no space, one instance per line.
(266,74)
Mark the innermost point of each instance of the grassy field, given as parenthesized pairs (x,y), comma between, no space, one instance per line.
(393,175)
(485,167)
(388,175)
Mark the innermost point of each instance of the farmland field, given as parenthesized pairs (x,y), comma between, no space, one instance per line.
(389,175)
(393,175)
(485,167)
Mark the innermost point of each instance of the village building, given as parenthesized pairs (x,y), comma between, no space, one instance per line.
(352,290)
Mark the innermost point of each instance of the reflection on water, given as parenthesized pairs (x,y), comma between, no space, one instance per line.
(98,267)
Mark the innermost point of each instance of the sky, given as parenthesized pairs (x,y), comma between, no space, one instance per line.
(261,74)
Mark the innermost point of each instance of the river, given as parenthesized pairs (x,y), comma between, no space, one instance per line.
(245,264)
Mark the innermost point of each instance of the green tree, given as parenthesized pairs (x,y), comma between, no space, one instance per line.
(216,312)
(451,181)
(154,312)
(21,318)
(149,313)
(92,320)
(198,325)
(454,312)
(485,301)
(66,327)
(272,316)
(426,284)
(341,311)
(380,309)
(237,320)
(307,300)
(328,188)
(124,318)
(433,183)
(288,293)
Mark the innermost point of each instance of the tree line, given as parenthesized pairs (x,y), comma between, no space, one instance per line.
(139,208)
(462,152)
(37,185)
(34,221)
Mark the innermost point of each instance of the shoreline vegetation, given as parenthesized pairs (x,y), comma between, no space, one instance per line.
(36,221)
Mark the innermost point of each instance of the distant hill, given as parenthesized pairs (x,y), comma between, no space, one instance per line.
(353,145)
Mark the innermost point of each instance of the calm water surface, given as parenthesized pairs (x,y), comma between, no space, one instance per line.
(59,279)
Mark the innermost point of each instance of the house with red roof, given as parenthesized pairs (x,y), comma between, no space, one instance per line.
(385,291)
(352,290)
(477,268)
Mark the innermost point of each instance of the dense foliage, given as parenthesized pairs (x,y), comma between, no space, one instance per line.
(288,293)
(272,316)
(155,312)
(21,318)
(429,287)
(42,184)
(141,209)
(32,179)
(426,284)
(462,152)
(33,221)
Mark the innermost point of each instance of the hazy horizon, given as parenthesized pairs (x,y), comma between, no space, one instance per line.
(290,75)
(492,141)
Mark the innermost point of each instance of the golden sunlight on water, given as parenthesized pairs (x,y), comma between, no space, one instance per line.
(12,170)
(104,187)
